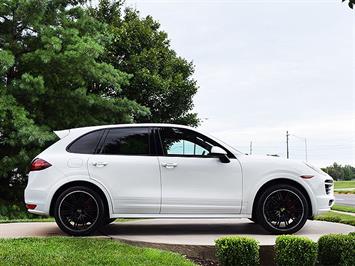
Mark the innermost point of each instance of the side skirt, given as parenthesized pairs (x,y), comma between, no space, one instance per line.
(181,216)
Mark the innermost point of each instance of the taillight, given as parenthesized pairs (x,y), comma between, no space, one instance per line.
(31,206)
(39,164)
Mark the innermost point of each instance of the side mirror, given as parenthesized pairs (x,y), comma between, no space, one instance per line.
(220,153)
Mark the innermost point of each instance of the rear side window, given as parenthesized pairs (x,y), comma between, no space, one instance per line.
(127,141)
(87,143)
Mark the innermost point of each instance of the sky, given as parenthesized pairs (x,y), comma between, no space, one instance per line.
(265,67)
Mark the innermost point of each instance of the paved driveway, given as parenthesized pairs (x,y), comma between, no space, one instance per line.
(178,231)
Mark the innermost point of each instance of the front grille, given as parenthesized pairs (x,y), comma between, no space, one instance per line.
(328,186)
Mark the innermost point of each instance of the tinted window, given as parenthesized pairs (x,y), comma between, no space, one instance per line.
(176,141)
(87,143)
(128,141)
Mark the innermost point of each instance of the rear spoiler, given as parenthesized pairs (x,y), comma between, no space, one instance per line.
(62,133)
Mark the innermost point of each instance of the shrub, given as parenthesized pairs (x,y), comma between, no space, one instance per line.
(10,211)
(235,250)
(352,234)
(336,249)
(347,257)
(295,251)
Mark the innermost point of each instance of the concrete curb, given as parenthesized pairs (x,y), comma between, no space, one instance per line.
(267,252)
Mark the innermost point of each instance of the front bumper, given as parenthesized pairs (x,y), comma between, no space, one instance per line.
(324,203)
(325,196)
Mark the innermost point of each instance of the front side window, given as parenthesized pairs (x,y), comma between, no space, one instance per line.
(127,141)
(87,143)
(183,142)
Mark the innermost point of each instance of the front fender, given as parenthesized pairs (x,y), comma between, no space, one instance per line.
(252,189)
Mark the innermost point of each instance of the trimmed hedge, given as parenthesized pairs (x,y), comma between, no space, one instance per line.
(337,249)
(347,257)
(234,250)
(330,248)
(295,251)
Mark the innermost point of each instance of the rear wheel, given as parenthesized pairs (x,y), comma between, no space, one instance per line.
(79,211)
(282,209)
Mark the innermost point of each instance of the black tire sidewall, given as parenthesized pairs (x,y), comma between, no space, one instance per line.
(260,216)
(95,226)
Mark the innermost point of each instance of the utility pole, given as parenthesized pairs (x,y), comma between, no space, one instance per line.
(305,144)
(287,151)
(251,148)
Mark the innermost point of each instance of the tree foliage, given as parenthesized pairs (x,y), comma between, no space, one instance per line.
(339,172)
(52,77)
(351,3)
(160,79)
(64,65)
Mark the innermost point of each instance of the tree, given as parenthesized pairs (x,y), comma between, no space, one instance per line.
(351,3)
(339,172)
(161,80)
(52,78)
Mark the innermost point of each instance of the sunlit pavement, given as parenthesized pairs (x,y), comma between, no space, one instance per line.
(177,231)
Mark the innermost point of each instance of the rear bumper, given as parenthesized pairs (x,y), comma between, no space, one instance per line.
(39,198)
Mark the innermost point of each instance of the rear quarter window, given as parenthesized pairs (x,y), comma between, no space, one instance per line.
(87,143)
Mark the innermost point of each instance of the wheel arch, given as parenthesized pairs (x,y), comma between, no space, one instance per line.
(282,181)
(79,183)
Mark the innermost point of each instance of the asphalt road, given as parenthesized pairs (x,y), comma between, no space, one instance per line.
(345,199)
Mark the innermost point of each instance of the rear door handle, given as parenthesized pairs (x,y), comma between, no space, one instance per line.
(169,165)
(99,164)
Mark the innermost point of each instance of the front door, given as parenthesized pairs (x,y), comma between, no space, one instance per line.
(193,180)
(127,167)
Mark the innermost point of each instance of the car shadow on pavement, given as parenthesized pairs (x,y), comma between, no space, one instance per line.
(183,229)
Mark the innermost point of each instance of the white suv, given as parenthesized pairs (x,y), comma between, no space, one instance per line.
(93,175)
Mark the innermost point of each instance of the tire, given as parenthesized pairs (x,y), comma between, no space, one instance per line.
(253,220)
(79,211)
(109,221)
(282,209)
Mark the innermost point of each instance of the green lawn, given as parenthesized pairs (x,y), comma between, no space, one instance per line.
(32,220)
(352,191)
(343,208)
(82,251)
(50,219)
(336,218)
(344,184)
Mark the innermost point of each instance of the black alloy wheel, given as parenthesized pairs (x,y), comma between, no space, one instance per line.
(282,209)
(79,211)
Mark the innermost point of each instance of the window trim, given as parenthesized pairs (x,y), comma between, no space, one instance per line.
(151,142)
(203,137)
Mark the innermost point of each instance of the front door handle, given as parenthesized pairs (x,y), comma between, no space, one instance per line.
(99,164)
(169,165)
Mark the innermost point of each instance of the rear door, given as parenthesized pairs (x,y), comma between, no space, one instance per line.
(127,166)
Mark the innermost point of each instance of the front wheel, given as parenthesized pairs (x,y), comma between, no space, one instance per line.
(282,209)
(109,221)
(79,211)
